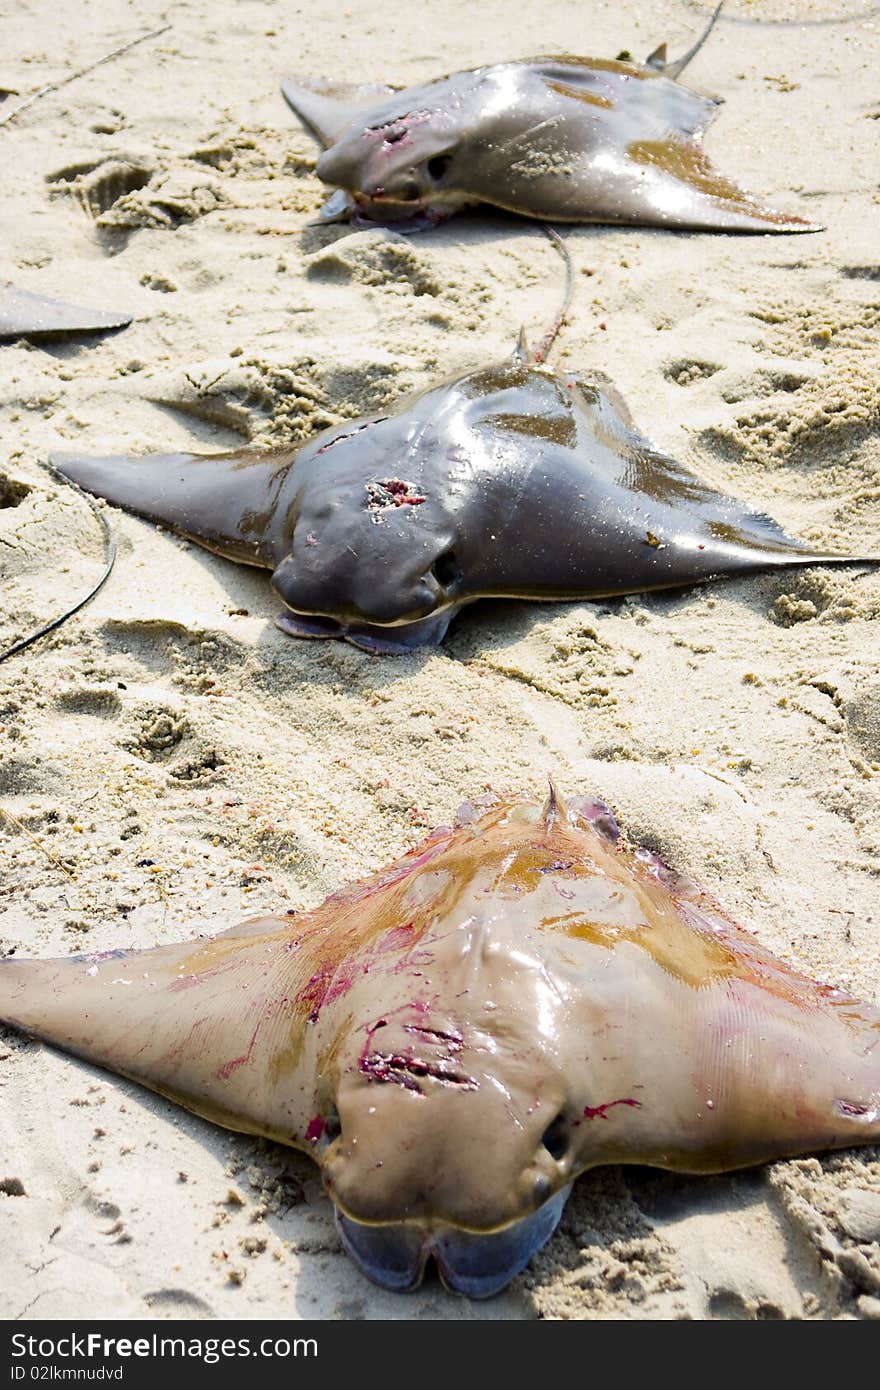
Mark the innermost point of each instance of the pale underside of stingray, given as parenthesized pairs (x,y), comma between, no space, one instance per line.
(522,997)
(510,481)
(24,314)
(560,138)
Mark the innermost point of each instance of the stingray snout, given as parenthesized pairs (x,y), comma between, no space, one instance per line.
(352,594)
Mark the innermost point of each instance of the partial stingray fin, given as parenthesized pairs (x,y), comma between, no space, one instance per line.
(338,208)
(522,352)
(27,315)
(554,811)
(327,108)
(673,70)
(784,1065)
(657,59)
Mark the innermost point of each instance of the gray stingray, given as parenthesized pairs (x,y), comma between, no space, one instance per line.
(511,481)
(455,1039)
(559,138)
(27,315)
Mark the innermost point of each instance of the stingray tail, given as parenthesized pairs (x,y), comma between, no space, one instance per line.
(109,561)
(522,352)
(543,349)
(674,69)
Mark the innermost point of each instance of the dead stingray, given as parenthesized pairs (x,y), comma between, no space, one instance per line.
(455,1039)
(560,138)
(27,315)
(512,481)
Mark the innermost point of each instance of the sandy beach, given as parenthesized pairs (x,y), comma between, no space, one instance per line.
(179,763)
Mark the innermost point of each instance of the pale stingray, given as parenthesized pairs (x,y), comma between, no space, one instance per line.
(560,138)
(455,1039)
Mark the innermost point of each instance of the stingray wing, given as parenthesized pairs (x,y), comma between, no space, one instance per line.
(590,140)
(739,1058)
(675,179)
(241,1028)
(27,315)
(326,109)
(207,1023)
(577,504)
(689,1045)
(225,502)
(640,95)
(670,522)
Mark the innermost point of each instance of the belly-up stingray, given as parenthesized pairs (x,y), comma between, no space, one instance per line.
(455,1039)
(511,481)
(561,138)
(27,315)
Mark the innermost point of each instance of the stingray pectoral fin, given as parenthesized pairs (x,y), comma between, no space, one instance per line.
(192,1020)
(741,1059)
(27,315)
(675,181)
(606,404)
(327,108)
(226,502)
(678,528)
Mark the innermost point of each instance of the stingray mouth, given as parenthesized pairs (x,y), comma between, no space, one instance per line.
(381,209)
(475,1264)
(392,639)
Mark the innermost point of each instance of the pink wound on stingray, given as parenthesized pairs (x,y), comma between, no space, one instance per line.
(228,1068)
(315,1129)
(592,1112)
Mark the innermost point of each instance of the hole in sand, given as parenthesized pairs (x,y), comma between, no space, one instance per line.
(98,187)
(12,492)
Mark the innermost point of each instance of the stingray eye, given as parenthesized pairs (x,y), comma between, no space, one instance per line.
(555,1138)
(438,166)
(446,569)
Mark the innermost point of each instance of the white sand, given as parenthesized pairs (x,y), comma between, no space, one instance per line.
(193,765)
